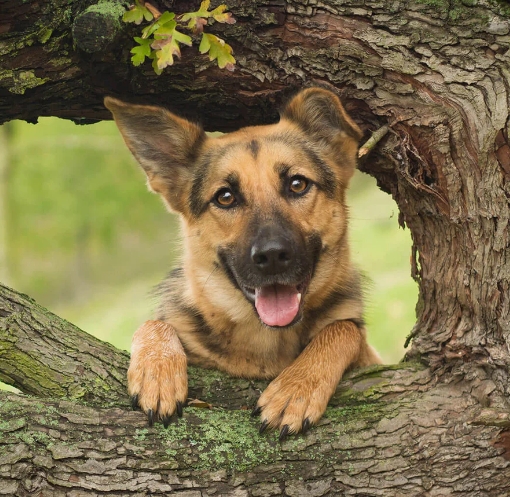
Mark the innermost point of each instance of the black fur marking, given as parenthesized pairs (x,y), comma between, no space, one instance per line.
(240,268)
(360,323)
(214,342)
(198,204)
(254,148)
(196,201)
(223,255)
(327,181)
(235,185)
(350,291)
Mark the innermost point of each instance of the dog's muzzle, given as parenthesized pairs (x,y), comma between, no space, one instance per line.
(273,273)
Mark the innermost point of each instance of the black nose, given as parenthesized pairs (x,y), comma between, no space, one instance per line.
(272,255)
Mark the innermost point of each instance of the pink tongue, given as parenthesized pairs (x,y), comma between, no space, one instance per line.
(277,305)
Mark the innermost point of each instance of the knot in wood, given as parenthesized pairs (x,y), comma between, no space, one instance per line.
(96,28)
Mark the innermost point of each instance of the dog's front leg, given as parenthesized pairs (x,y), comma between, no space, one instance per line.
(157,375)
(298,397)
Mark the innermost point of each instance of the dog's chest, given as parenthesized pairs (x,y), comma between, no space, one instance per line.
(246,351)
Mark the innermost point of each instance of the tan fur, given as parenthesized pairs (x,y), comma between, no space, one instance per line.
(302,390)
(159,372)
(202,305)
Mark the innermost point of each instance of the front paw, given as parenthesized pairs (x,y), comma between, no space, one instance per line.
(293,402)
(157,375)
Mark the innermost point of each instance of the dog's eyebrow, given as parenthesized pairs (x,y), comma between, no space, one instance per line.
(196,201)
(327,181)
(234,181)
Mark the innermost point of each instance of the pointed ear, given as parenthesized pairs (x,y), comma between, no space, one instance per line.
(164,144)
(321,116)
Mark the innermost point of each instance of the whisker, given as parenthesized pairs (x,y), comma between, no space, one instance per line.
(205,283)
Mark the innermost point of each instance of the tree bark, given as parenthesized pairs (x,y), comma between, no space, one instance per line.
(438,74)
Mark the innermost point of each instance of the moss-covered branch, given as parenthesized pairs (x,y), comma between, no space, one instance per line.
(44,355)
(370,440)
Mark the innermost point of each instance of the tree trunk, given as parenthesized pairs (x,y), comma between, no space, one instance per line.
(438,73)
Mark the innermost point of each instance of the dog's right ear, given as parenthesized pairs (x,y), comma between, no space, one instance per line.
(163,143)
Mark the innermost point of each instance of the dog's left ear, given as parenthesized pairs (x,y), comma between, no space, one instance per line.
(163,143)
(321,116)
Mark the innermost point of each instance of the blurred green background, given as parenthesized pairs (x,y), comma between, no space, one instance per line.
(81,234)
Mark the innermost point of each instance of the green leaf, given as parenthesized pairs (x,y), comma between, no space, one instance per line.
(182,38)
(165,24)
(166,17)
(198,19)
(167,49)
(165,29)
(137,13)
(157,70)
(218,50)
(205,44)
(141,51)
(219,14)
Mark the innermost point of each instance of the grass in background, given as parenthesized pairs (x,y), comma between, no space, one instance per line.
(382,250)
(89,242)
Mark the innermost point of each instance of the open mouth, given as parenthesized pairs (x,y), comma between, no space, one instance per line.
(278,305)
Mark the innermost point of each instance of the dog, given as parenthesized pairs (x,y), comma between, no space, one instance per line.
(266,287)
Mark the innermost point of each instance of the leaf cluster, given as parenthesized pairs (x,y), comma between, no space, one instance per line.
(161,39)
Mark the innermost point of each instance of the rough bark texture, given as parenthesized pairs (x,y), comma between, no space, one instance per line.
(388,431)
(437,72)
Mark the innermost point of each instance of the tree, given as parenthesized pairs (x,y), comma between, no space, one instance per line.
(437,73)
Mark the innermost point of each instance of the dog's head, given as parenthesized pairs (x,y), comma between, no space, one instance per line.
(263,206)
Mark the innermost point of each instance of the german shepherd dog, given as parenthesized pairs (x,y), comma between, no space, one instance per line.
(266,287)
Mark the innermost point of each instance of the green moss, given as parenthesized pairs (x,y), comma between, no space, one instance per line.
(208,377)
(33,437)
(12,425)
(442,5)
(502,7)
(141,434)
(223,439)
(453,10)
(115,10)
(44,35)
(20,81)
(369,412)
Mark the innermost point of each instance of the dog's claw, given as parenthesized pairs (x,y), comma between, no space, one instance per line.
(179,408)
(263,426)
(256,411)
(150,417)
(283,433)
(306,425)
(134,402)
(166,421)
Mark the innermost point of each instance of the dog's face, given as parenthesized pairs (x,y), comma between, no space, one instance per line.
(263,207)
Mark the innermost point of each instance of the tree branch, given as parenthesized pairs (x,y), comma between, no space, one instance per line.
(370,441)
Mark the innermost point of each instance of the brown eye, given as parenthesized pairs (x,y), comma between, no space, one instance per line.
(299,185)
(224,198)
